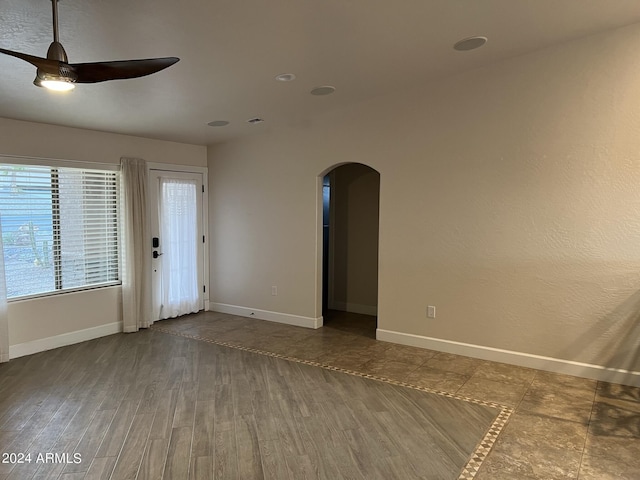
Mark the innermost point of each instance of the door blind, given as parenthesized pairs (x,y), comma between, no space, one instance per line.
(59,228)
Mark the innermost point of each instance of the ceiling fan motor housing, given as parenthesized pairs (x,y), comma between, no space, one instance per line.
(56,52)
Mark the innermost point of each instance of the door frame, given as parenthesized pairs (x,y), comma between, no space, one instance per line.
(174,168)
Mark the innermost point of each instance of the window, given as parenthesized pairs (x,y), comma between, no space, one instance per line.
(59,228)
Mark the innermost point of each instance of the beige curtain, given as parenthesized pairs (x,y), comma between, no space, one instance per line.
(4,320)
(136,251)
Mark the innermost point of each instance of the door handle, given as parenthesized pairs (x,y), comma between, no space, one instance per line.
(156,254)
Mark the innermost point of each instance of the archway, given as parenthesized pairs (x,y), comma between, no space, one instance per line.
(348,227)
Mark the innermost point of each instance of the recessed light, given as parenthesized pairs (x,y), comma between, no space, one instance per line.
(218,123)
(255,120)
(323,90)
(470,43)
(285,77)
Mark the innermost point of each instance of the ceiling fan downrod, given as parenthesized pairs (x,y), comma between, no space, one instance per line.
(54,5)
(56,50)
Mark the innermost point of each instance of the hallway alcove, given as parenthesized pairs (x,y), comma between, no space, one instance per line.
(350,231)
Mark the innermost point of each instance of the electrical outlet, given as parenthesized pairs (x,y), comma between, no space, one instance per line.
(274,290)
(431,311)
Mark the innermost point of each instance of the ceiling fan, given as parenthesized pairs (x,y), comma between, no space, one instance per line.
(56,73)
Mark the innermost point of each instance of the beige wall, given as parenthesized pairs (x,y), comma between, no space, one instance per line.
(50,141)
(509,200)
(353,271)
(60,315)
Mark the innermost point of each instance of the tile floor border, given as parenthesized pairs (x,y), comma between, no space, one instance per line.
(477,457)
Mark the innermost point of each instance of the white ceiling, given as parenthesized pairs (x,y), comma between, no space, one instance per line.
(231,50)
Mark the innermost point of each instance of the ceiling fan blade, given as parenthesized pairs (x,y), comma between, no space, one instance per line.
(49,66)
(118,70)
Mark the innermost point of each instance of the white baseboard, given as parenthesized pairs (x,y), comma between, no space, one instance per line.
(278,317)
(550,364)
(354,308)
(49,343)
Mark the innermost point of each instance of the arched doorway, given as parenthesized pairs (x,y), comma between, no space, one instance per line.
(349,248)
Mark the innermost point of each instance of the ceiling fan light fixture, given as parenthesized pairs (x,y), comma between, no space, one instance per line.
(54,82)
(58,86)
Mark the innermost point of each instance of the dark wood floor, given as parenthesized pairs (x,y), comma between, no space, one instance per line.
(155,405)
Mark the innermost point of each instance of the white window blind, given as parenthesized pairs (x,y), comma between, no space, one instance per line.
(59,228)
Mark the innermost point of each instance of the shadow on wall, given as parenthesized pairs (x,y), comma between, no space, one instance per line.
(620,330)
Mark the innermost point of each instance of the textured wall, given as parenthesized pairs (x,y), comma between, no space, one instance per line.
(509,200)
(50,141)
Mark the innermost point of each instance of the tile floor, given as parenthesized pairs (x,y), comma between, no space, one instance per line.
(563,427)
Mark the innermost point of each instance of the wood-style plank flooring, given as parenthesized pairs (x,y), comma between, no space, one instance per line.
(151,405)
(563,427)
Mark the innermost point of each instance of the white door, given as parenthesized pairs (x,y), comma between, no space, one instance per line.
(176,227)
